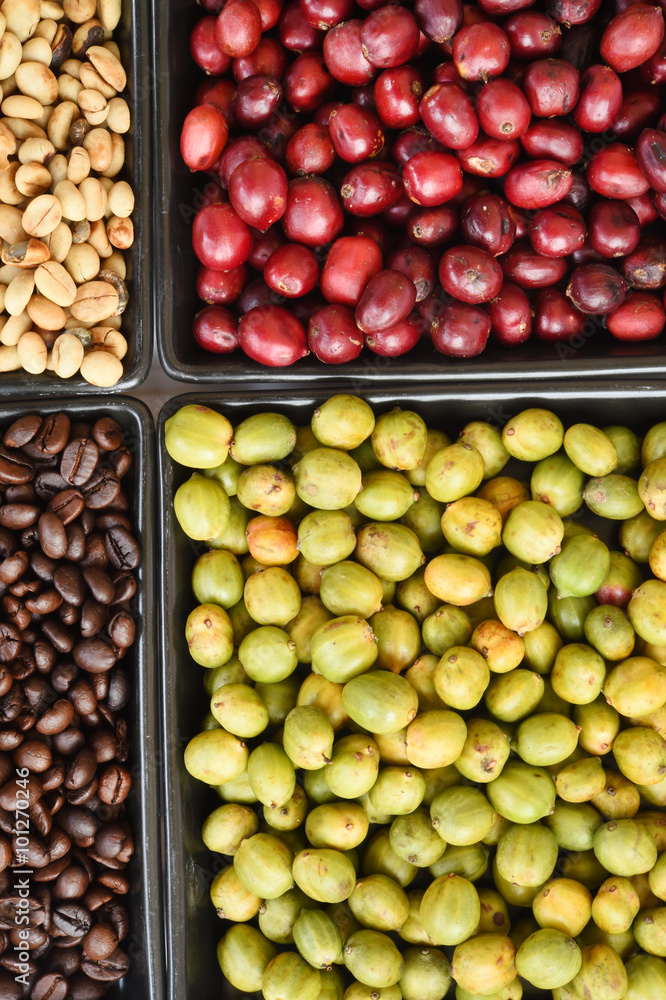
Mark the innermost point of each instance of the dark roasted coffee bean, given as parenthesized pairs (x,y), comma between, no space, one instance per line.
(11,791)
(79,460)
(6,679)
(18,516)
(70,920)
(34,851)
(104,745)
(93,618)
(11,961)
(100,941)
(56,719)
(5,853)
(87,520)
(121,504)
(30,538)
(72,883)
(40,818)
(55,800)
(123,742)
(107,433)
(58,843)
(16,613)
(82,988)
(12,906)
(122,548)
(10,642)
(82,796)
(119,690)
(48,483)
(69,583)
(97,896)
(69,614)
(42,566)
(67,504)
(15,467)
(45,656)
(6,767)
(22,431)
(118,881)
(122,629)
(100,683)
(8,543)
(113,519)
(60,636)
(21,493)
(115,783)
(31,938)
(13,567)
(25,587)
(45,603)
(53,433)
(82,696)
(12,703)
(10,988)
(26,719)
(102,489)
(94,655)
(67,961)
(52,536)
(121,461)
(77,823)
(54,775)
(62,676)
(50,986)
(50,872)
(110,840)
(76,543)
(96,553)
(35,755)
(100,584)
(125,587)
(82,769)
(39,693)
(10,739)
(68,742)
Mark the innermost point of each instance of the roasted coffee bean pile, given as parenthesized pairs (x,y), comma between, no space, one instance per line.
(67,556)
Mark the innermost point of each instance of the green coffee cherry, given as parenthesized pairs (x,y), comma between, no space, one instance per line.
(343,421)
(266,489)
(215,757)
(556,481)
(652,488)
(201,507)
(548,959)
(268,654)
(628,448)
(413,838)
(272,596)
(522,793)
(533,532)
(263,864)
(240,710)
(521,601)
(337,825)
(637,686)
(289,977)
(397,790)
(454,472)
(312,615)
(350,589)
(578,673)
(590,450)
(461,677)
(469,861)
(354,766)
(568,614)
(271,775)
(424,519)
(484,962)
(385,495)
(325,875)
(638,534)
(232,536)
(581,567)
(602,974)
(343,648)
(472,526)
(264,437)
(308,737)
(614,496)
(488,442)
(574,825)
(526,854)
(647,612)
(197,437)
(380,903)
(391,550)
(580,780)
(427,974)
(380,701)
(458,579)
(327,479)
(317,938)
(227,827)
(532,435)
(232,901)
(436,440)
(615,905)
(326,536)
(462,816)
(510,697)
(450,910)
(217,579)
(545,738)
(484,753)
(373,959)
(243,954)
(399,439)
(610,632)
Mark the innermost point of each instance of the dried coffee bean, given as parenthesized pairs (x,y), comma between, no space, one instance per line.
(94,655)
(39,693)
(115,783)
(34,850)
(42,566)
(25,587)
(93,618)
(69,582)
(87,520)
(6,679)
(79,460)
(59,844)
(12,906)
(67,961)
(50,986)
(62,676)
(122,548)
(112,519)
(82,769)
(117,881)
(13,567)
(82,988)
(67,504)
(31,938)
(102,489)
(5,767)
(97,896)
(22,431)
(18,516)
(69,614)
(125,588)
(52,536)
(110,840)
(68,742)
(82,796)
(15,966)
(96,552)
(82,696)
(10,739)
(121,503)
(100,584)
(8,543)
(48,483)
(11,791)
(107,433)
(61,637)
(100,683)
(30,538)
(15,467)
(119,690)
(77,823)
(26,719)
(54,776)
(72,883)
(40,818)
(122,629)
(76,543)
(70,920)
(12,703)
(35,755)
(53,433)
(121,461)
(45,603)
(45,656)
(10,642)
(103,744)
(56,719)
(15,613)
(10,989)
(5,853)
(21,493)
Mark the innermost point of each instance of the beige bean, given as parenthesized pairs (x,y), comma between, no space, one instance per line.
(11,227)
(19,292)
(109,11)
(81,330)
(38,50)
(23,129)
(96,118)
(120,232)
(11,54)
(59,242)
(79,11)
(69,88)
(20,106)
(82,262)
(81,231)
(78,166)
(58,168)
(108,66)
(36,80)
(9,359)
(95,197)
(35,151)
(53,281)
(72,67)
(32,179)
(22,17)
(14,329)
(7,273)
(67,355)
(44,313)
(47,29)
(51,9)
(89,33)
(43,119)
(8,87)
(111,340)
(7,145)
(99,239)
(95,301)
(101,368)
(71,201)
(60,123)
(121,199)
(32,352)
(3,24)
(25,254)
(115,322)
(113,48)
(91,78)
(92,102)
(99,144)
(9,193)
(43,213)
(3,290)
(116,263)
(117,156)
(118,118)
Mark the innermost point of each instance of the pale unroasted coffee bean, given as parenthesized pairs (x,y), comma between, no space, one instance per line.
(117,157)
(67,355)
(26,254)
(69,88)
(36,80)
(60,123)
(121,200)
(78,167)
(111,340)
(71,201)
(99,144)
(22,17)
(20,106)
(46,314)
(32,352)
(9,359)
(89,33)
(94,195)
(116,263)
(11,54)
(108,67)
(72,67)
(14,329)
(82,262)
(53,281)
(44,213)
(118,117)
(95,301)
(120,232)
(9,193)
(7,145)
(94,105)
(11,224)
(35,150)
(109,11)
(92,80)
(32,179)
(18,293)
(58,168)
(101,368)
(38,48)
(59,242)
(99,240)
